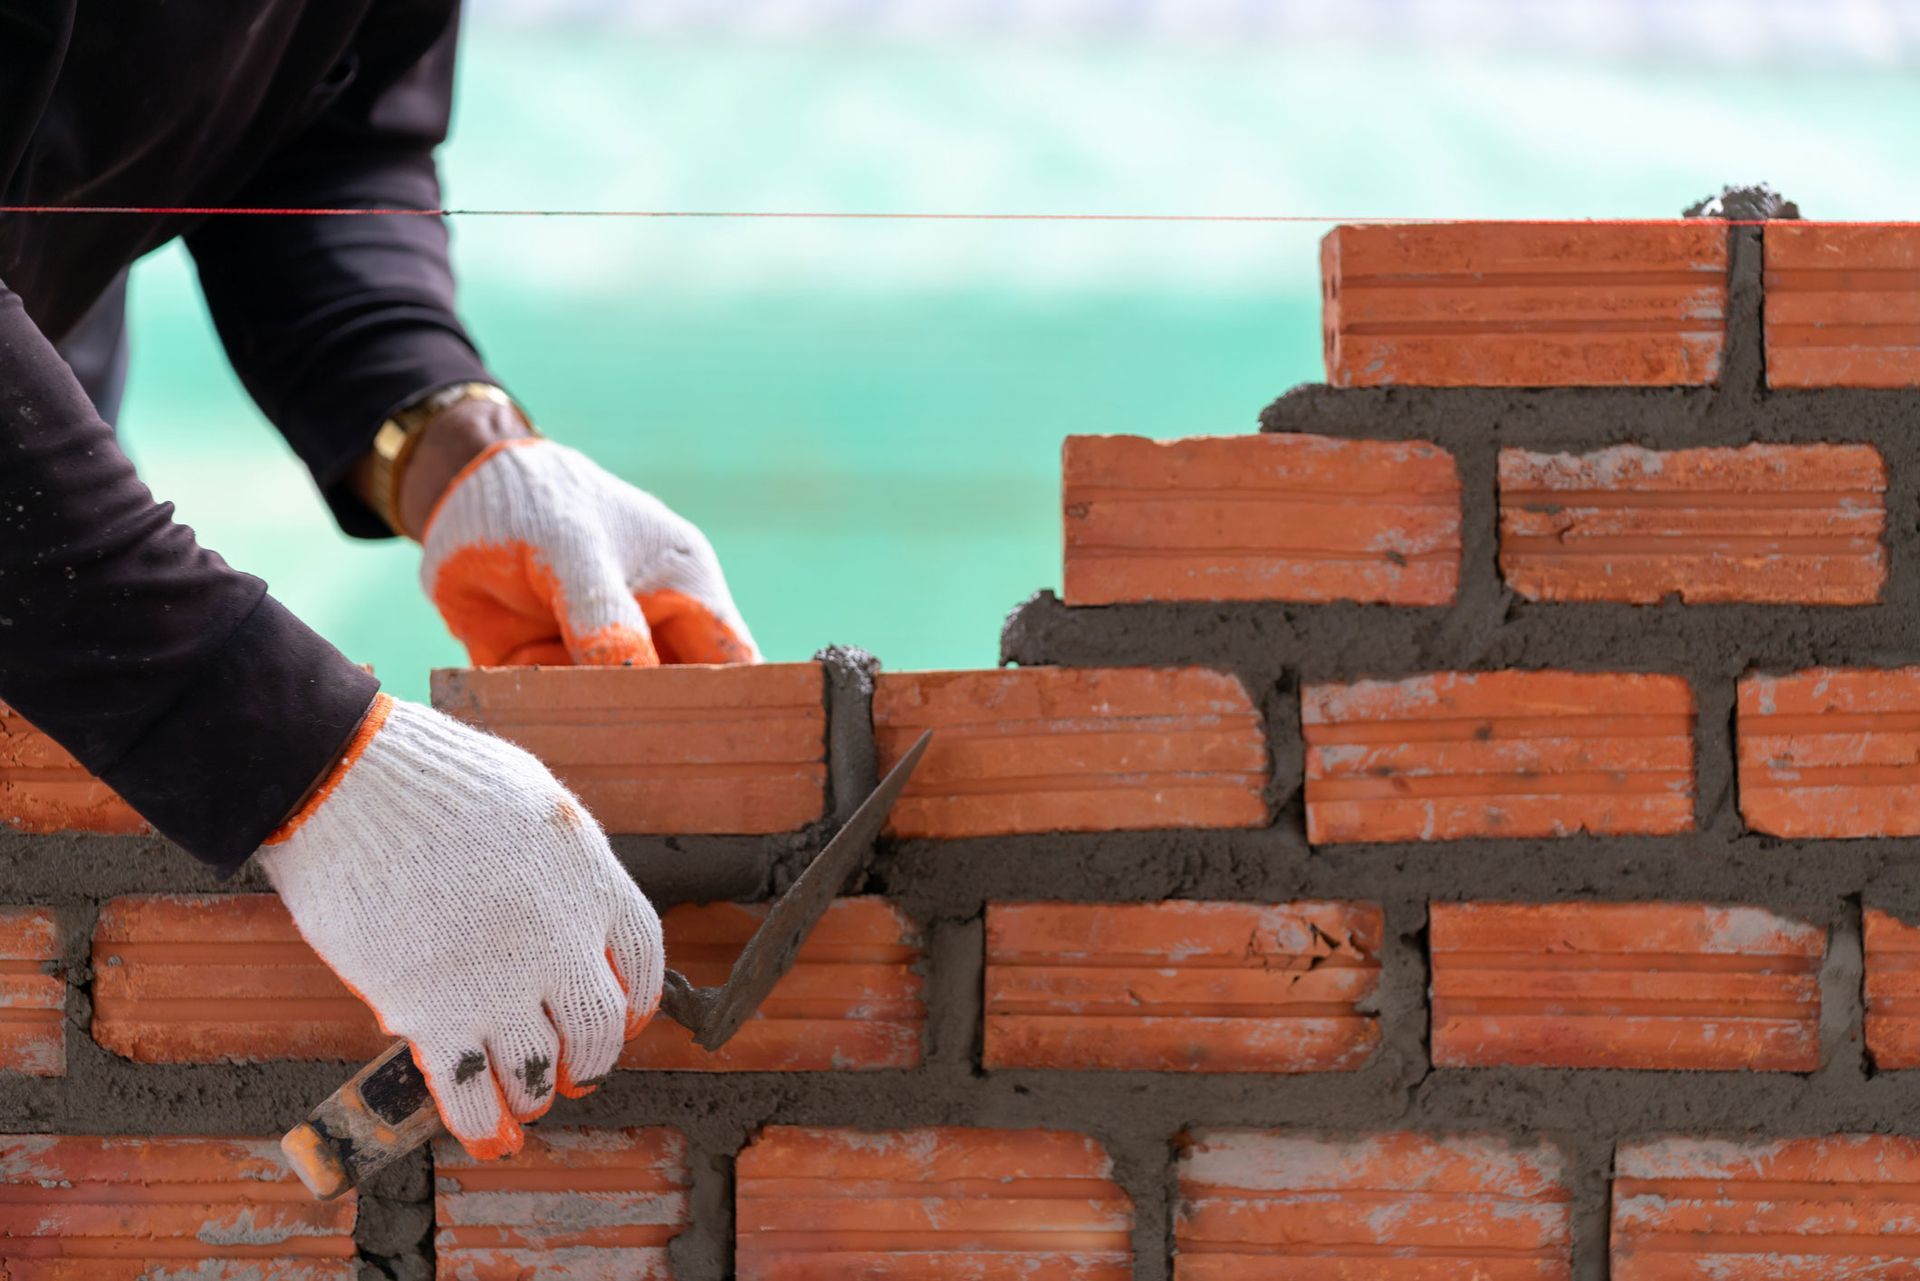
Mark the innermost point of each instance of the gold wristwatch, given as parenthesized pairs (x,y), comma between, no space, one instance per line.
(385,463)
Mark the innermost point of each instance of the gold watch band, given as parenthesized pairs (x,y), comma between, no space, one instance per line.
(394,443)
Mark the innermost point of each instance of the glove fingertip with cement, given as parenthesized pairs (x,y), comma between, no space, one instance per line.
(461,891)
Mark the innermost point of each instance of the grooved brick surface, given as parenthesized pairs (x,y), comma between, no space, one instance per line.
(1843,305)
(161,1208)
(1049,749)
(1181,986)
(1262,517)
(32,998)
(573,1205)
(1775,524)
(851,1002)
(207,978)
(929,1205)
(43,789)
(1258,1204)
(1491,304)
(679,750)
(1836,1208)
(1498,754)
(1624,985)
(1831,752)
(1892,990)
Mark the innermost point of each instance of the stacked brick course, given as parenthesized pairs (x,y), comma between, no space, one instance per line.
(1455,833)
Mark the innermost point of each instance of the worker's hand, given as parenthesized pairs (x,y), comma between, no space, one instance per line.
(466,896)
(535,554)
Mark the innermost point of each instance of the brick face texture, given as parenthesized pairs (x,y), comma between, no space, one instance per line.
(1624,985)
(851,1002)
(208,978)
(1831,752)
(1210,987)
(1267,517)
(1492,304)
(1498,754)
(1812,1209)
(43,789)
(1892,990)
(680,750)
(164,1209)
(929,1204)
(1258,1204)
(1776,524)
(32,997)
(574,1205)
(1047,749)
(1843,306)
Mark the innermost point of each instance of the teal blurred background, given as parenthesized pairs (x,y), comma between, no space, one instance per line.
(866,417)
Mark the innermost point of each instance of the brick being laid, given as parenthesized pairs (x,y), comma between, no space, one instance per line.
(1799,1209)
(1059,749)
(1770,524)
(160,1207)
(579,1204)
(44,789)
(1255,1204)
(1842,305)
(852,1001)
(33,997)
(1182,986)
(928,1205)
(1456,755)
(1505,304)
(1892,990)
(1654,986)
(674,750)
(1830,752)
(1261,517)
(219,978)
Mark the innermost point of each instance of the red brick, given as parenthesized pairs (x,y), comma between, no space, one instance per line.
(1831,752)
(573,1205)
(1803,1209)
(1892,991)
(164,1209)
(1501,304)
(33,996)
(1842,305)
(681,750)
(1258,1204)
(43,789)
(211,978)
(1498,754)
(1775,524)
(1181,986)
(1666,986)
(1056,749)
(851,1002)
(929,1205)
(1265,517)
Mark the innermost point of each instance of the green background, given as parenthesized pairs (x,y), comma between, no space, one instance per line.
(866,417)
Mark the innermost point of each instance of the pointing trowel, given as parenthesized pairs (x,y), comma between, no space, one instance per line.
(385,1111)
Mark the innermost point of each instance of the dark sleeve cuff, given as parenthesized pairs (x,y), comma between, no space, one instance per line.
(226,763)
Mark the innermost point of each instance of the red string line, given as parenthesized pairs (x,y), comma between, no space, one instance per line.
(196,211)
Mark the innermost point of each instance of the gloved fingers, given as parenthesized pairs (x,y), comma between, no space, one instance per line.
(687,631)
(591,1017)
(635,952)
(469,1098)
(523,1053)
(498,600)
(600,621)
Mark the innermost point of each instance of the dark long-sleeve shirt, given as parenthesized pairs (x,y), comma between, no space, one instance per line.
(175,678)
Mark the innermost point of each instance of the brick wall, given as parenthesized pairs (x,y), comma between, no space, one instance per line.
(1462,830)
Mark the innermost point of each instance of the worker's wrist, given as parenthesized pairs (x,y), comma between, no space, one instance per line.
(449,441)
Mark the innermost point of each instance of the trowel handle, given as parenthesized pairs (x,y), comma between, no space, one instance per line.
(383,1113)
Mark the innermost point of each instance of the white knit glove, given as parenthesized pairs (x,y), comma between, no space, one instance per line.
(536,554)
(466,896)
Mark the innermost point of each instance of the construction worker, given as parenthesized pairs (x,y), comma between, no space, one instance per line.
(444,874)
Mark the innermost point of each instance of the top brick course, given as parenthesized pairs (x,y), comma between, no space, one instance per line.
(43,789)
(1492,304)
(1843,305)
